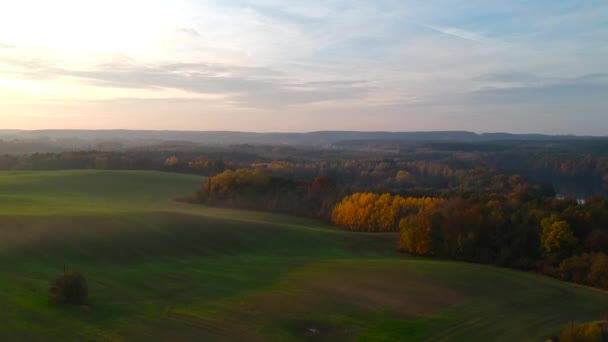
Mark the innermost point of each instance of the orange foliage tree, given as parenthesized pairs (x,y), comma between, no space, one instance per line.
(369,212)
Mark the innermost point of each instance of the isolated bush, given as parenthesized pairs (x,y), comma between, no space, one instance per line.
(69,288)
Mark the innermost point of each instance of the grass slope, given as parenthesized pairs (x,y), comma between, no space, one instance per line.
(163,270)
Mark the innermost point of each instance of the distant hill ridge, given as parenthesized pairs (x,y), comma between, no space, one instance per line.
(320,138)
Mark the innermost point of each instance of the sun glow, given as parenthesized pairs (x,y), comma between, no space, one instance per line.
(131,27)
(42,36)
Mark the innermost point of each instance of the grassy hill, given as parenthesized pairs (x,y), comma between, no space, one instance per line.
(163,270)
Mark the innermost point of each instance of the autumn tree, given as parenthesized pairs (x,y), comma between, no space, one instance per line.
(172,163)
(557,239)
(371,212)
(416,235)
(598,274)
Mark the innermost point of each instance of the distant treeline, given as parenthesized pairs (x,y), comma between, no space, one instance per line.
(574,169)
(142,160)
(575,176)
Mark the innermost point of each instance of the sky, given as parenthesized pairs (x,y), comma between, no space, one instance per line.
(294,66)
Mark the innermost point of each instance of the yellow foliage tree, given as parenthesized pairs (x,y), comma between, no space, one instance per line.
(378,213)
(171,161)
(416,235)
(557,239)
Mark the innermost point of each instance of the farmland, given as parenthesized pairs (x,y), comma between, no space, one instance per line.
(159,269)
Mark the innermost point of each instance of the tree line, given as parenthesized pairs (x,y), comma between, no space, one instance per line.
(253,189)
(140,160)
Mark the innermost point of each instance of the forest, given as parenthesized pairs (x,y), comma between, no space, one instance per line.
(518,225)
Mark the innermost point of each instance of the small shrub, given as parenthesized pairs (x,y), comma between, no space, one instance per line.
(69,288)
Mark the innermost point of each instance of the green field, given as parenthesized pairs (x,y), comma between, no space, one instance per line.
(163,270)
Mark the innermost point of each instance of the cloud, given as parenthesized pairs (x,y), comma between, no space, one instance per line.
(584,89)
(6,46)
(569,92)
(461,34)
(189,32)
(509,76)
(595,77)
(242,85)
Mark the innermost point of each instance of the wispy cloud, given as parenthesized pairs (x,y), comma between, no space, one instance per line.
(460,33)
(580,89)
(246,86)
(189,32)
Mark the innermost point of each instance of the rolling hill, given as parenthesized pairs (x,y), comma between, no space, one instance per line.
(163,270)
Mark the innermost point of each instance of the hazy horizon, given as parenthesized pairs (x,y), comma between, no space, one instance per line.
(296,132)
(285,66)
